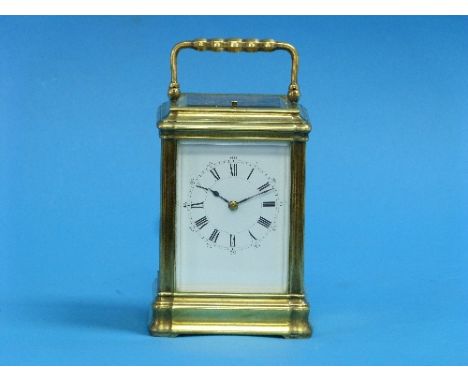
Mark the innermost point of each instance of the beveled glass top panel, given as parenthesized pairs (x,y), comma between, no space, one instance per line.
(234,100)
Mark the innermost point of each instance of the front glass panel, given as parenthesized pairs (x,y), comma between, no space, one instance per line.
(232,217)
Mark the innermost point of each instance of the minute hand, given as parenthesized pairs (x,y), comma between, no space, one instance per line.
(253,196)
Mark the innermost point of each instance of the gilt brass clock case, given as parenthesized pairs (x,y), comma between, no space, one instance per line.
(231,117)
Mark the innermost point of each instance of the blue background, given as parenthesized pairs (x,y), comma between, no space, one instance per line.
(386,243)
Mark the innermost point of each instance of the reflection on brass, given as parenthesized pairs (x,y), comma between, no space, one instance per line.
(214,117)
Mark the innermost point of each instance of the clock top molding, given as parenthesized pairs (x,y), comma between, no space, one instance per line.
(248,116)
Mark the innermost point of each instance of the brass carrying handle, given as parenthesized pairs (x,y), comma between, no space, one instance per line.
(235,45)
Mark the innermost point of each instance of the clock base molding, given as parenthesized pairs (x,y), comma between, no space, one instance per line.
(240,314)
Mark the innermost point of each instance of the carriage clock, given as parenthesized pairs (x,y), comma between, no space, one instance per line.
(232,208)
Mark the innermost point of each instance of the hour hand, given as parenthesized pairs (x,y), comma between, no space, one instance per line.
(215,193)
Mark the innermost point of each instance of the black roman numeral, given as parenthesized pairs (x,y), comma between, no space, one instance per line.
(233,167)
(214,235)
(197,205)
(269,204)
(232,240)
(252,235)
(264,222)
(200,223)
(250,173)
(215,173)
(261,188)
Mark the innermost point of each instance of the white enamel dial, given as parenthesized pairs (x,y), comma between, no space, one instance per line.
(233,204)
(232,218)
